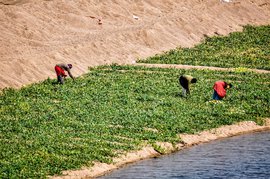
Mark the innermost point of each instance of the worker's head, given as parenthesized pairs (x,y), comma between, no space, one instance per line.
(229,85)
(69,66)
(194,80)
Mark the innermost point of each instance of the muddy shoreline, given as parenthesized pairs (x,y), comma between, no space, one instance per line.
(100,169)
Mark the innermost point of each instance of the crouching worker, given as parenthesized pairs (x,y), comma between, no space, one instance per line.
(185,81)
(220,88)
(60,72)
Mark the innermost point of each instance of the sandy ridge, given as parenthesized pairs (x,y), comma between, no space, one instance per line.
(37,34)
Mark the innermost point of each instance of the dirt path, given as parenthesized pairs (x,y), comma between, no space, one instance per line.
(196,67)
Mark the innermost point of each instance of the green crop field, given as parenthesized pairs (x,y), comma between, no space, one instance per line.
(47,128)
(249,49)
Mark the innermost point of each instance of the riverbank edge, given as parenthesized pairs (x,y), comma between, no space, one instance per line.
(100,169)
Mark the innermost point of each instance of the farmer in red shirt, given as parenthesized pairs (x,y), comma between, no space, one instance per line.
(60,72)
(220,88)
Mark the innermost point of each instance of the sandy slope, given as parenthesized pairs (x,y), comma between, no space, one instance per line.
(37,34)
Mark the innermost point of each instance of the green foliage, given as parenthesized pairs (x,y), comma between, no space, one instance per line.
(250,49)
(47,128)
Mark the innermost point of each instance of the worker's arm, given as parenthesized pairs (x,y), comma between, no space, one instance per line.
(69,73)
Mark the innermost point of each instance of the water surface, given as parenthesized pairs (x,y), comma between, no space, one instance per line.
(244,156)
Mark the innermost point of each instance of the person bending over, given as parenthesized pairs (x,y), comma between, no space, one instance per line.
(60,72)
(220,88)
(185,81)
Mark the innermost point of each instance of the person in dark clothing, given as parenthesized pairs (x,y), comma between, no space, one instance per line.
(185,81)
(220,88)
(60,72)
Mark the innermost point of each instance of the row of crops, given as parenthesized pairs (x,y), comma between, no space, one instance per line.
(47,128)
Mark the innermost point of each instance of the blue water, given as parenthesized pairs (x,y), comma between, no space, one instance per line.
(244,156)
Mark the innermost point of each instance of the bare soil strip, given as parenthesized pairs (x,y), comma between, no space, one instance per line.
(100,169)
(195,67)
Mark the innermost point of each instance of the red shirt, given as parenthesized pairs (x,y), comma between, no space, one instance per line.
(220,88)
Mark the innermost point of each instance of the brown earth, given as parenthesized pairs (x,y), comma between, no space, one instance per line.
(37,34)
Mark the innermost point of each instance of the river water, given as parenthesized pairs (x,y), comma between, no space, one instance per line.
(244,156)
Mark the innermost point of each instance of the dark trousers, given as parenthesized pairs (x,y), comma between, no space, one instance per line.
(184,83)
(216,96)
(60,79)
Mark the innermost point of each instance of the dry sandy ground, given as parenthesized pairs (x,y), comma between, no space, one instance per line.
(188,140)
(37,34)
